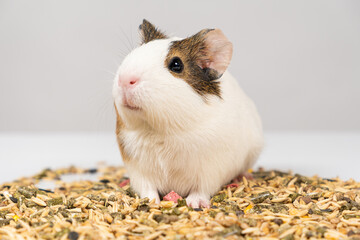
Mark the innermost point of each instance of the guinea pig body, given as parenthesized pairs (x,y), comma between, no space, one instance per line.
(183,122)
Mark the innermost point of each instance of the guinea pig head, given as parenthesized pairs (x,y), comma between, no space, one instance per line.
(168,83)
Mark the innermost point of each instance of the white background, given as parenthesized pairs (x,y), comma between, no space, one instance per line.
(326,154)
(298,60)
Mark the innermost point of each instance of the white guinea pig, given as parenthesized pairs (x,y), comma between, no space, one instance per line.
(183,122)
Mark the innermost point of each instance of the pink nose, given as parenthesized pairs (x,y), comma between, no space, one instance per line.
(128,81)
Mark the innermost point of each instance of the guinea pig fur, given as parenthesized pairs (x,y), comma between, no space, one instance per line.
(183,122)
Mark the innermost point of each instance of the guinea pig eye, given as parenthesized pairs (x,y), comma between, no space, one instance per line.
(176,65)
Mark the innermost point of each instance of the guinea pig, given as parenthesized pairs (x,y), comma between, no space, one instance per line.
(183,122)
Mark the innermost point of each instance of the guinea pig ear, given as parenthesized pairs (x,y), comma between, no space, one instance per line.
(217,52)
(149,32)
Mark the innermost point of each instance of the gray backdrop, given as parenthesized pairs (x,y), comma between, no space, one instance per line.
(298,60)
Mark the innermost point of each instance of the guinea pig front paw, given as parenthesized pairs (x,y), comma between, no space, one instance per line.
(154,196)
(151,195)
(196,200)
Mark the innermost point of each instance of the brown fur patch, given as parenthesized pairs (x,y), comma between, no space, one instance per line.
(193,53)
(149,32)
(119,127)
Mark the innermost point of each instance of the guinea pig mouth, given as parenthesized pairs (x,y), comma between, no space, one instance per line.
(129,104)
(131,107)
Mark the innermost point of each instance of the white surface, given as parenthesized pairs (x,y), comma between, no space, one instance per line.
(298,60)
(328,154)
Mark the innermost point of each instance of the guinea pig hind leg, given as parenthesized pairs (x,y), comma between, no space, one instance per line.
(240,177)
(196,200)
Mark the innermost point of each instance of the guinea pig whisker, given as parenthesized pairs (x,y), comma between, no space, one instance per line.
(128,45)
(109,72)
(104,110)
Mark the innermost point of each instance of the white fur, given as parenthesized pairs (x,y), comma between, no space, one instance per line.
(180,140)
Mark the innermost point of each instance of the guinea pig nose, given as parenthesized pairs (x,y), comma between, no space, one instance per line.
(128,82)
(133,81)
